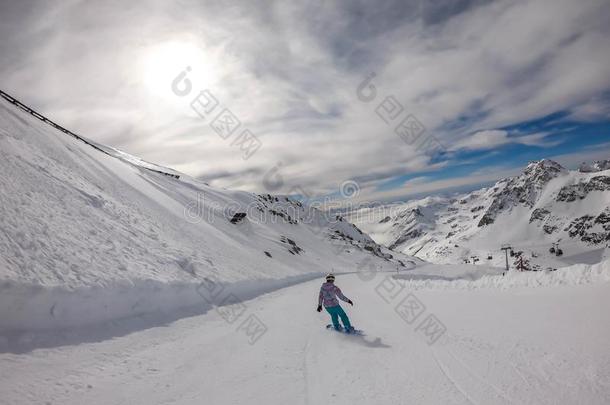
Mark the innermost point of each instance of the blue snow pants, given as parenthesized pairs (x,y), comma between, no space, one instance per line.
(337,312)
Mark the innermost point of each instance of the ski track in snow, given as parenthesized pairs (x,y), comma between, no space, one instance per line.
(487,386)
(306,373)
(452,380)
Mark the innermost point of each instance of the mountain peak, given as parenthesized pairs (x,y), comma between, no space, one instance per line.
(543,164)
(542,171)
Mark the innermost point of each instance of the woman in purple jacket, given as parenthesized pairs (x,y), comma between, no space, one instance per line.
(328,296)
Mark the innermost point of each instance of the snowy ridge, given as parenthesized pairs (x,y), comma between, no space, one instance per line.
(102,148)
(87,237)
(546,204)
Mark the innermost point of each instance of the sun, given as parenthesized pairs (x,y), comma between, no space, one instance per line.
(161,63)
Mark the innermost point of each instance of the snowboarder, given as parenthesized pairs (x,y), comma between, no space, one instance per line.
(328,296)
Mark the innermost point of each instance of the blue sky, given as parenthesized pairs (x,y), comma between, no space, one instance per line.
(570,142)
(498,83)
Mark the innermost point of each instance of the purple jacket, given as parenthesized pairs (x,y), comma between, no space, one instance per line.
(328,295)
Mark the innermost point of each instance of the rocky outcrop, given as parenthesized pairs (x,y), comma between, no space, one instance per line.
(523,189)
(539,214)
(581,190)
(591,229)
(386,219)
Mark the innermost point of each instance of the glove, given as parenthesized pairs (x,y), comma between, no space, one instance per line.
(350,302)
(319,308)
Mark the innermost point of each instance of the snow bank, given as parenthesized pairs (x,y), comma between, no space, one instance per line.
(573,275)
(36,308)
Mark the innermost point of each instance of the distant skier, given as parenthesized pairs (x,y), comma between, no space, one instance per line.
(328,296)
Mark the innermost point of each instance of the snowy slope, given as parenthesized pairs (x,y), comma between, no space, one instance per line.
(521,344)
(546,204)
(89,235)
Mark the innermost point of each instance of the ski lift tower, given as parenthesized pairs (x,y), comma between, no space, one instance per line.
(506,248)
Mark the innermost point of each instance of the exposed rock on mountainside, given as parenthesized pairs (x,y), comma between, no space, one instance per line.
(543,205)
(524,189)
(579,191)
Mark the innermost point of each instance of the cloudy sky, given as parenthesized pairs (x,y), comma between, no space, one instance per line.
(322,85)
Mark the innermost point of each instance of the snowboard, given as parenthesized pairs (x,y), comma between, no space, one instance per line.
(356,332)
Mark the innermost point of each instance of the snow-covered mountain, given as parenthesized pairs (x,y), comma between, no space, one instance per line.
(546,204)
(98,249)
(89,234)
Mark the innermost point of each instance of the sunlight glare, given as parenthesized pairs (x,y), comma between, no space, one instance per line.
(162,63)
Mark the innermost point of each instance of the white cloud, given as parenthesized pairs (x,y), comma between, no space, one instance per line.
(484,140)
(598,108)
(433,187)
(415,181)
(490,139)
(472,181)
(289,71)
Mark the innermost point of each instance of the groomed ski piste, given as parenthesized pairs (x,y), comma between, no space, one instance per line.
(120,285)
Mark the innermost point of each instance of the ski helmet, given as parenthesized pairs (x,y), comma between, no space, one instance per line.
(330,277)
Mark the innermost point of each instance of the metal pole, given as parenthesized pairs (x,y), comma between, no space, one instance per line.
(505,249)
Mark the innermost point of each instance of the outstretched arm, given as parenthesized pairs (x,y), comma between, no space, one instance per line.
(341,296)
(320,298)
